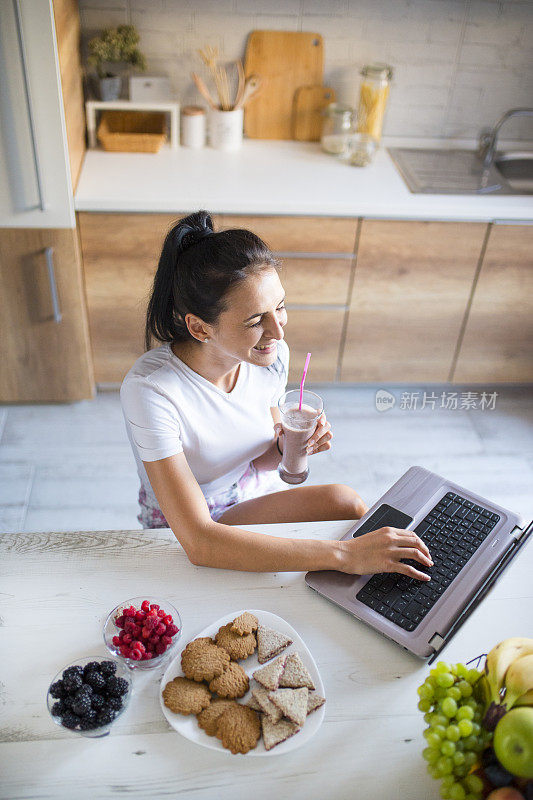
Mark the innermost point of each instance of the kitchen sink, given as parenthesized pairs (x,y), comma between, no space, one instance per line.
(461,171)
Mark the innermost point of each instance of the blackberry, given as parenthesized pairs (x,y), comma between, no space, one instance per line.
(116,686)
(115,703)
(89,721)
(72,671)
(90,667)
(82,705)
(72,682)
(108,668)
(67,702)
(106,716)
(59,708)
(85,688)
(97,701)
(95,679)
(57,690)
(70,720)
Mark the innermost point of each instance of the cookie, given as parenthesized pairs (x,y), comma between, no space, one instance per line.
(252,703)
(260,695)
(269,676)
(270,643)
(232,683)
(295,674)
(183,696)
(203,662)
(314,701)
(276,732)
(292,703)
(207,719)
(200,641)
(238,728)
(245,623)
(236,646)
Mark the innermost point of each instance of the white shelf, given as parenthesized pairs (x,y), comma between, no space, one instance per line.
(171,108)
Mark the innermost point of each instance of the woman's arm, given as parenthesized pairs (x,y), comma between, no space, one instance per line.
(214,544)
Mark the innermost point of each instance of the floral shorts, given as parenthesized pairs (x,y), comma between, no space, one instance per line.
(251,484)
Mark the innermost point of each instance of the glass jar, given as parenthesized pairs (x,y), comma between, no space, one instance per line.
(373,98)
(336,127)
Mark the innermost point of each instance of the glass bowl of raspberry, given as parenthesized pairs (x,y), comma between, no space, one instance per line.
(143,632)
(89,695)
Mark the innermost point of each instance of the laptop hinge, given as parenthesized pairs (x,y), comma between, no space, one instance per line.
(436,641)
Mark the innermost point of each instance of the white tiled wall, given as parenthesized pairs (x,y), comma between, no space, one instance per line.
(459,64)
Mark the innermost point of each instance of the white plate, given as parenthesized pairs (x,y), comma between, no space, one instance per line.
(188,725)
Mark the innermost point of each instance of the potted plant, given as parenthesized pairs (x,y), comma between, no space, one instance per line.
(114,46)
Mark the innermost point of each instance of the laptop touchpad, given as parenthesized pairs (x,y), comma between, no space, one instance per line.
(384,516)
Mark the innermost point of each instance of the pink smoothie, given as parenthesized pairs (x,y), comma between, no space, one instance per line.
(298,425)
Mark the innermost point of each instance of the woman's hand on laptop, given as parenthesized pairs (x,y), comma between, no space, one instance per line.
(382,551)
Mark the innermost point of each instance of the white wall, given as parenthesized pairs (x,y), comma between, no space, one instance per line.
(459,64)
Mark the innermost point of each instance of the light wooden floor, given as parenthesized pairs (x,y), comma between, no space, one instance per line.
(70,467)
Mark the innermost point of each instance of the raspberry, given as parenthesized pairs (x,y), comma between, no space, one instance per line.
(139,646)
(160,648)
(172,630)
(145,605)
(161,629)
(135,655)
(125,651)
(151,621)
(161,613)
(146,656)
(57,689)
(146,632)
(154,607)
(116,686)
(166,640)
(136,631)
(119,621)
(116,641)
(154,640)
(168,620)
(121,635)
(127,638)
(129,625)
(140,616)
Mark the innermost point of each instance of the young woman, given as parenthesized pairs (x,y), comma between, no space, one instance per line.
(202,418)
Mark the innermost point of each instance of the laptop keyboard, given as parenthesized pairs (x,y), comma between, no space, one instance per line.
(453,530)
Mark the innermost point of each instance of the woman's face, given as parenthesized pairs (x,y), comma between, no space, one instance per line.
(253,322)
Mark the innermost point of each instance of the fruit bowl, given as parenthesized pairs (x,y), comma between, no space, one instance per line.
(72,704)
(146,647)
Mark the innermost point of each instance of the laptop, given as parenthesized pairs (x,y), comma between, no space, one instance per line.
(471,541)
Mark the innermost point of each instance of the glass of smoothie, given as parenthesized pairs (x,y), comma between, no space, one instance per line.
(298,426)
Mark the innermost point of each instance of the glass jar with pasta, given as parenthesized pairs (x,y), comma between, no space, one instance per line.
(373,98)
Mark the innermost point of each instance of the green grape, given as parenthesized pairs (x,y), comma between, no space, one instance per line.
(441,666)
(447,748)
(472,702)
(465,688)
(474,784)
(476,729)
(470,758)
(428,718)
(460,745)
(465,712)
(445,765)
(445,679)
(472,796)
(453,669)
(425,692)
(458,758)
(431,681)
(440,693)
(440,719)
(461,770)
(448,780)
(449,707)
(453,733)
(444,792)
(430,755)
(457,792)
(462,671)
(455,693)
(473,676)
(434,771)
(432,738)
(466,727)
(440,730)
(424,705)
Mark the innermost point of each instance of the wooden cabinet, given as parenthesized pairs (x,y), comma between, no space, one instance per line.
(498,340)
(299,234)
(43,358)
(410,293)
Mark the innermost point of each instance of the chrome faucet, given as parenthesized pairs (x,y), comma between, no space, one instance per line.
(488,138)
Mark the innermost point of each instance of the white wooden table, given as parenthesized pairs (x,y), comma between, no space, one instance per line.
(56,589)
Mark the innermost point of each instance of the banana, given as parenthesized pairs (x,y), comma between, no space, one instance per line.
(526,699)
(500,659)
(518,680)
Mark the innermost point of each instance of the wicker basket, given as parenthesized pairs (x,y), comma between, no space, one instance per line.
(132,131)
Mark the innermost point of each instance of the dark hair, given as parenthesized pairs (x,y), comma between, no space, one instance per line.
(196,269)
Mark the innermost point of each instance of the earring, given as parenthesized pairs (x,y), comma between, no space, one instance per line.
(206,340)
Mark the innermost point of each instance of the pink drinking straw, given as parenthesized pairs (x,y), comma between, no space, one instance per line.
(303,380)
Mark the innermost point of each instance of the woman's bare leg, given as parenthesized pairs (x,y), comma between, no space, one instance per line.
(301,504)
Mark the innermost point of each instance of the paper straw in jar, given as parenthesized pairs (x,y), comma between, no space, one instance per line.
(303,380)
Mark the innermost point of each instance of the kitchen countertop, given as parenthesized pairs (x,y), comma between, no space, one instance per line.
(57,589)
(275,177)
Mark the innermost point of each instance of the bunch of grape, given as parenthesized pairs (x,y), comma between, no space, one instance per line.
(454,735)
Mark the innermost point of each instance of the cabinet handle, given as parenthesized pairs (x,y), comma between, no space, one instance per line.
(49,255)
(20,35)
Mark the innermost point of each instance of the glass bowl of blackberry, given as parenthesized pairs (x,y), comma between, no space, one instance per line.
(143,632)
(89,695)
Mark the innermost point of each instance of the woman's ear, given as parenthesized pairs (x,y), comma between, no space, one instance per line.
(197,328)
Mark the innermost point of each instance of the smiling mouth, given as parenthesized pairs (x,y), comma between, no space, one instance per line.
(265,348)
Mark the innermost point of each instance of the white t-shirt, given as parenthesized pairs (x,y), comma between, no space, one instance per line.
(169,409)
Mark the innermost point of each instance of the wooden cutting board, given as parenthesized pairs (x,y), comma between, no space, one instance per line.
(307,118)
(285,60)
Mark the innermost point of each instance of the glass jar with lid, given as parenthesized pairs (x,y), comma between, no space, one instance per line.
(336,127)
(373,98)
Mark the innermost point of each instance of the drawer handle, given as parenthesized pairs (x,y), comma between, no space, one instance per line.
(49,255)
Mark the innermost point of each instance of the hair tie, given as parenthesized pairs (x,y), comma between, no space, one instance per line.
(193,237)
